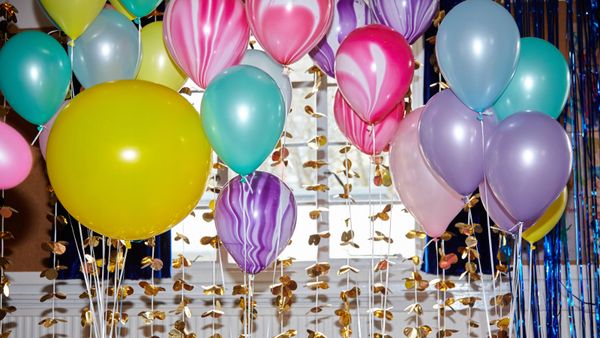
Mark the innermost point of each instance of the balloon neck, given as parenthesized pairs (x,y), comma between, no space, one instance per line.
(244,179)
(71,43)
(287,70)
(482,114)
(136,21)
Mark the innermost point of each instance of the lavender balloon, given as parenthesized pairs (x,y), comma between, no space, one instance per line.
(255,219)
(452,140)
(497,213)
(347,16)
(411,18)
(528,163)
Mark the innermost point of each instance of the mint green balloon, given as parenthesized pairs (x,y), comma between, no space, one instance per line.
(243,114)
(35,73)
(541,82)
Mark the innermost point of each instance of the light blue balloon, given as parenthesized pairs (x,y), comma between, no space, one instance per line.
(262,60)
(243,114)
(108,50)
(35,73)
(477,49)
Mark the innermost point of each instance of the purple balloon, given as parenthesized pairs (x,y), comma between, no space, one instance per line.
(452,141)
(497,213)
(411,18)
(347,16)
(528,163)
(255,219)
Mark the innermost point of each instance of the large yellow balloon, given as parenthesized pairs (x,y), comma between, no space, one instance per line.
(548,220)
(157,65)
(128,159)
(119,7)
(73,16)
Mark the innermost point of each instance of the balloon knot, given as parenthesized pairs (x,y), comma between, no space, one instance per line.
(71,43)
(40,128)
(136,21)
(287,70)
(243,179)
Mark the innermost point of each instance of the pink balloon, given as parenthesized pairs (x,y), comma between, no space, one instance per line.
(16,159)
(428,198)
(374,67)
(359,133)
(47,128)
(206,37)
(289,29)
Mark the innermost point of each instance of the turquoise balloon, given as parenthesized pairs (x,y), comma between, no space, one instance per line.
(243,114)
(35,73)
(541,82)
(140,8)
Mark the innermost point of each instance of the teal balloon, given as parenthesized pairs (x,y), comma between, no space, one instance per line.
(108,50)
(541,83)
(35,73)
(140,8)
(243,114)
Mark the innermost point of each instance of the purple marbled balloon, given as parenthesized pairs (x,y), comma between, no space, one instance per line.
(255,219)
(411,18)
(347,16)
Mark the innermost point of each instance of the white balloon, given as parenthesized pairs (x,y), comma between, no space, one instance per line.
(263,61)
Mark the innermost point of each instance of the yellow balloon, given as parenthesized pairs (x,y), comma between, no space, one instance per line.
(548,220)
(128,159)
(119,8)
(73,16)
(157,65)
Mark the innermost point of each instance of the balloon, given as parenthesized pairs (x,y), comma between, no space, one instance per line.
(16,159)
(374,67)
(255,220)
(347,16)
(528,163)
(497,213)
(206,37)
(289,29)
(243,115)
(359,133)
(119,8)
(428,198)
(541,82)
(73,16)
(477,48)
(548,220)
(109,50)
(452,140)
(47,128)
(263,61)
(411,18)
(35,73)
(129,159)
(138,8)
(157,65)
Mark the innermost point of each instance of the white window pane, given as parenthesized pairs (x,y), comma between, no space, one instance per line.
(194,227)
(402,222)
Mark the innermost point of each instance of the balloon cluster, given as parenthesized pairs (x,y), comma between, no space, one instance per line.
(493,130)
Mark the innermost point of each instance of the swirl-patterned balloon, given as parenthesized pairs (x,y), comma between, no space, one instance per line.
(374,67)
(411,18)
(289,29)
(255,219)
(347,16)
(206,37)
(359,133)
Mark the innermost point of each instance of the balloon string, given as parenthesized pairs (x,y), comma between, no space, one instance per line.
(71,56)
(437,274)
(40,129)
(514,284)
(372,233)
(445,289)
(483,286)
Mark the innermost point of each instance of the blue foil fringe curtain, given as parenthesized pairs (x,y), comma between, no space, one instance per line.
(571,252)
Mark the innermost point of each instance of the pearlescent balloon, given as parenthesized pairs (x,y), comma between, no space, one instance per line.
(263,61)
(528,163)
(255,219)
(347,16)
(496,211)
(477,49)
(109,50)
(411,18)
(16,159)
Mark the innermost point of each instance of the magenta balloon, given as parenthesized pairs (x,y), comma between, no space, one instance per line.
(255,219)
(47,128)
(16,159)
(497,213)
(359,133)
(428,198)
(452,140)
(528,163)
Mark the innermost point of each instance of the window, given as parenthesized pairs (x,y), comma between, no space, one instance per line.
(303,127)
